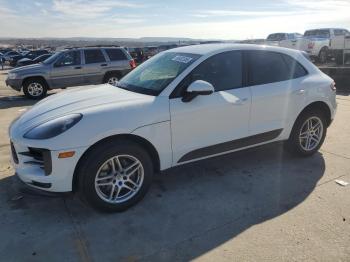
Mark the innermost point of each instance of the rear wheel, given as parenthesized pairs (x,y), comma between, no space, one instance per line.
(115,177)
(323,55)
(111,78)
(308,134)
(35,88)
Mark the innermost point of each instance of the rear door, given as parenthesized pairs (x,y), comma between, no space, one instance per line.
(118,60)
(95,66)
(67,70)
(276,82)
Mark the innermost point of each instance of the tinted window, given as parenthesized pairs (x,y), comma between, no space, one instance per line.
(94,56)
(69,58)
(295,68)
(115,54)
(223,71)
(268,67)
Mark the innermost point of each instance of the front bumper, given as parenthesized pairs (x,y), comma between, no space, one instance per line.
(48,173)
(15,84)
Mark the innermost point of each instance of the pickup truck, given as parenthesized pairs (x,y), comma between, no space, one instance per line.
(323,43)
(288,40)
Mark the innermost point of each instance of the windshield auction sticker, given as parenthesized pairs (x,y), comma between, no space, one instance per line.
(182,59)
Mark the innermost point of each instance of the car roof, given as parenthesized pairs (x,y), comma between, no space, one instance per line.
(206,49)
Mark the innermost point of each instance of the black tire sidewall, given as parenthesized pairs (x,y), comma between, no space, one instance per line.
(28,82)
(94,161)
(293,144)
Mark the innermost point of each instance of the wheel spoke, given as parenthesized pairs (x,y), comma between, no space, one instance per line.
(111,193)
(104,178)
(119,165)
(105,184)
(117,193)
(133,183)
(132,168)
(128,187)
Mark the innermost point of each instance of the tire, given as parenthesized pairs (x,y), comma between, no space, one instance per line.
(111,78)
(323,55)
(339,58)
(35,88)
(298,140)
(97,169)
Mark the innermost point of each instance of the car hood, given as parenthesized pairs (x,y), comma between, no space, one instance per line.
(28,67)
(77,100)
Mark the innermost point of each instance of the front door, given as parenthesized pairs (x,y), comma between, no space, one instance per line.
(211,124)
(67,71)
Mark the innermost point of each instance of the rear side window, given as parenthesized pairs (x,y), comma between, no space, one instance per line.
(269,67)
(223,71)
(115,54)
(295,68)
(94,56)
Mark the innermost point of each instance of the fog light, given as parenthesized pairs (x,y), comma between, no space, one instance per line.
(66,154)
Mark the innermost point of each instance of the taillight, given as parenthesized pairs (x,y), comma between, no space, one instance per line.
(311,45)
(132,63)
(333,87)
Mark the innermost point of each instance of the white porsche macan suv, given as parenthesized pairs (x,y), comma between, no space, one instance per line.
(180,106)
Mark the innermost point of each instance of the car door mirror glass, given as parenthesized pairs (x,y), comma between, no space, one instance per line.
(198,87)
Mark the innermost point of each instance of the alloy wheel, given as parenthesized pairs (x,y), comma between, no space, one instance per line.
(35,89)
(311,133)
(119,179)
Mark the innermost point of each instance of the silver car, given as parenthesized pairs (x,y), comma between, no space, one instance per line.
(72,67)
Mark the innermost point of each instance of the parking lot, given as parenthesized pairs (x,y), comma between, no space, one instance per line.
(260,203)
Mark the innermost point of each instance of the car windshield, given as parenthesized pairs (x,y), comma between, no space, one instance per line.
(276,37)
(52,58)
(317,33)
(154,75)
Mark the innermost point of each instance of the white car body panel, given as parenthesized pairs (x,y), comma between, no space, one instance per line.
(173,127)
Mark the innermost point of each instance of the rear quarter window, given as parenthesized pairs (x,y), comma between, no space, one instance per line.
(115,54)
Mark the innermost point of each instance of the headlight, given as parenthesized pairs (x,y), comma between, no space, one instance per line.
(12,75)
(53,127)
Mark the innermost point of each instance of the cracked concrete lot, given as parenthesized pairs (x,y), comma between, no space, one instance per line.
(255,205)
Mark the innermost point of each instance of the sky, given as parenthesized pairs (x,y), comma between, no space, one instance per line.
(203,19)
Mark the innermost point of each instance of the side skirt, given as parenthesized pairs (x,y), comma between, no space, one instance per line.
(231,145)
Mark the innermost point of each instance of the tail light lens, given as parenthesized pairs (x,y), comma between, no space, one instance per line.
(132,63)
(333,87)
(311,45)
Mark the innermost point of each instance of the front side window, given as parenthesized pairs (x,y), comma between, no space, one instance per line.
(152,76)
(94,56)
(266,67)
(69,58)
(223,71)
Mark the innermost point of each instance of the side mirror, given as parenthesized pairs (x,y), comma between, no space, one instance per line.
(198,87)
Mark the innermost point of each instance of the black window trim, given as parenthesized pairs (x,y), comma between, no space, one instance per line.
(177,93)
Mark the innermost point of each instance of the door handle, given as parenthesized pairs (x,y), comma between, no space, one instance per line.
(300,92)
(77,67)
(103,64)
(241,101)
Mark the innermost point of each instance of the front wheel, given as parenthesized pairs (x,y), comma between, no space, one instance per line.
(115,177)
(308,134)
(35,88)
